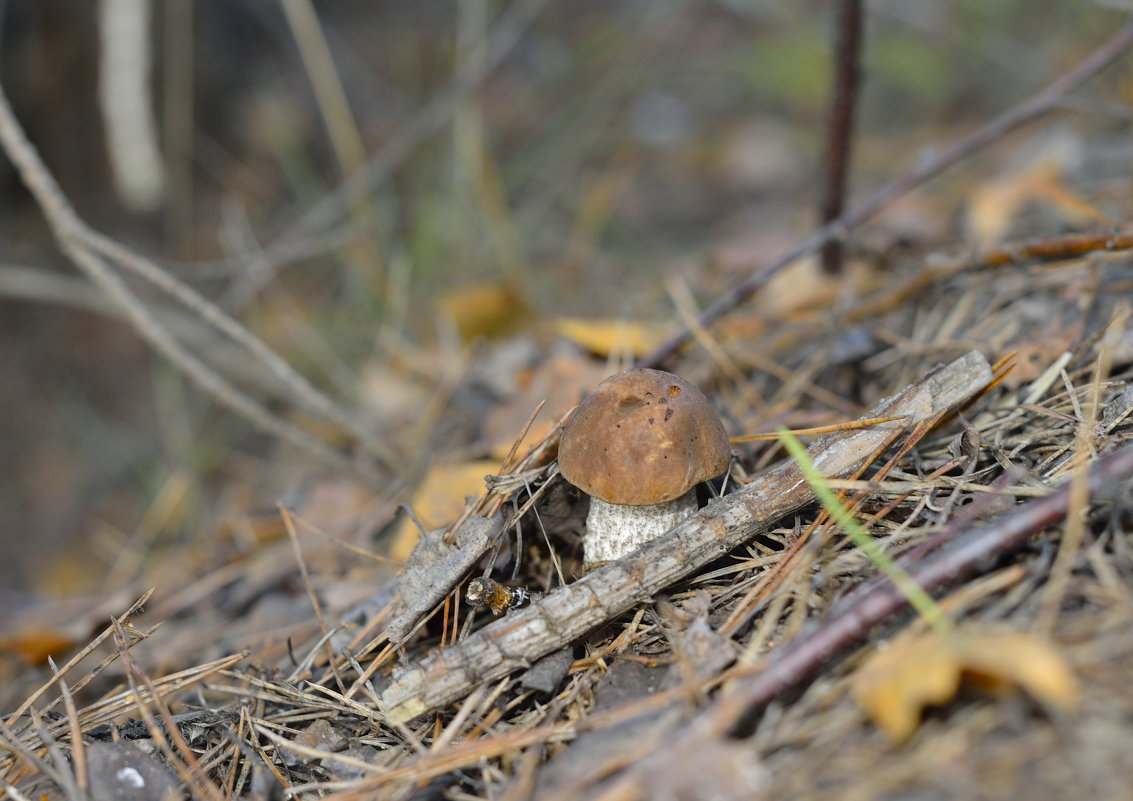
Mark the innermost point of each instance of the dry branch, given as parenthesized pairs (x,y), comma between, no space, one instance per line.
(94,255)
(1033,107)
(854,617)
(523,636)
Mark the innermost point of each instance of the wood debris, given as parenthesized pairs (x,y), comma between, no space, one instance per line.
(524,636)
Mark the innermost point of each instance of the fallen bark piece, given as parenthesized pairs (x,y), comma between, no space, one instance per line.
(524,635)
(434,568)
(546,674)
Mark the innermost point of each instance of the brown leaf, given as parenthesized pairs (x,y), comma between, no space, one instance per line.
(440,500)
(482,310)
(321,734)
(894,685)
(1036,178)
(33,646)
(803,287)
(546,674)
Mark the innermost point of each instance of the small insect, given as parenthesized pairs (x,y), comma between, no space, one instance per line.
(490,593)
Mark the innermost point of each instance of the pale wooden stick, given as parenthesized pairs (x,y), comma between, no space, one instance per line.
(524,635)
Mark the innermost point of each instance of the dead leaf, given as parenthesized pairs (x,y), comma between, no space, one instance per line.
(482,310)
(603,336)
(562,380)
(894,685)
(33,646)
(546,674)
(1036,178)
(803,287)
(440,500)
(321,734)
(1039,351)
(701,652)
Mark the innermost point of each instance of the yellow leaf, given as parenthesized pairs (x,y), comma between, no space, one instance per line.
(440,500)
(894,685)
(1017,658)
(482,310)
(603,337)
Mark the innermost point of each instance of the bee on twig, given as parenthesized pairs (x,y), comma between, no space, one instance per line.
(490,593)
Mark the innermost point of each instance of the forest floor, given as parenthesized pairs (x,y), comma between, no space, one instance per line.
(251,610)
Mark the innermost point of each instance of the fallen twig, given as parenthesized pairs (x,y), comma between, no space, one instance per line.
(971,553)
(569,612)
(850,621)
(1035,106)
(1030,251)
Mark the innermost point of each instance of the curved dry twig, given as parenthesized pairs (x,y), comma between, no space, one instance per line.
(303,391)
(88,250)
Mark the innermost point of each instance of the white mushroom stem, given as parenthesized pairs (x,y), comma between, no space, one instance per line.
(613,530)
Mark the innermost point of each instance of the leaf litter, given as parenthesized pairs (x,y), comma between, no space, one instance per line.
(601,708)
(234,685)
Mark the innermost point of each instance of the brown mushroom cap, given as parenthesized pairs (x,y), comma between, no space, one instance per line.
(643,437)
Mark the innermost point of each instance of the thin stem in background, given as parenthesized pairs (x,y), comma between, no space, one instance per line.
(840,125)
(1035,106)
(505,34)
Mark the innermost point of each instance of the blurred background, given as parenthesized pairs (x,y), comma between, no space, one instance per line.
(511,164)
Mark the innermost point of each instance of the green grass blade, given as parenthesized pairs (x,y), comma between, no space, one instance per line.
(918,598)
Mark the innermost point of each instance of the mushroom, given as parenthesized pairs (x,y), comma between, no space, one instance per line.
(638,445)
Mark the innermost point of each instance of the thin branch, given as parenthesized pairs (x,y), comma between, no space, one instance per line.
(1048,250)
(971,553)
(77,242)
(300,388)
(839,129)
(40,285)
(1038,104)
